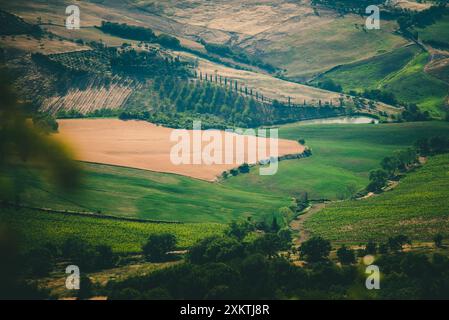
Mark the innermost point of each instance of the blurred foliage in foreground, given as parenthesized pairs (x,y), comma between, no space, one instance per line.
(24,142)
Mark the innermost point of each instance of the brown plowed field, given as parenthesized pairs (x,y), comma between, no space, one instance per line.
(142,145)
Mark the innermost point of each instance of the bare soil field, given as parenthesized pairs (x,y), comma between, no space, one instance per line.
(142,145)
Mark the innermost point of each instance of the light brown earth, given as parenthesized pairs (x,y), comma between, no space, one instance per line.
(142,145)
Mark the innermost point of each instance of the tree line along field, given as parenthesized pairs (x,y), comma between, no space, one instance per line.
(417,207)
(37,228)
(342,156)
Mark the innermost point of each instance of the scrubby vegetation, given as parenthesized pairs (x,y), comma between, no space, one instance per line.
(126,31)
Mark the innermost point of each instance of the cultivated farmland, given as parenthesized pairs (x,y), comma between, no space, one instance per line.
(344,153)
(417,207)
(38,228)
(142,145)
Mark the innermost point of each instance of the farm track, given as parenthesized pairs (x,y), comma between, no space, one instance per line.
(297,225)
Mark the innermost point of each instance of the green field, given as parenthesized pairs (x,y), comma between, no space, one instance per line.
(367,74)
(400,72)
(38,228)
(342,156)
(417,207)
(151,195)
(413,85)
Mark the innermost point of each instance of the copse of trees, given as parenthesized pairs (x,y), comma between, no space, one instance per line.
(345,255)
(87,256)
(401,161)
(432,146)
(413,113)
(330,85)
(157,246)
(315,250)
(124,30)
(238,55)
(380,95)
(148,64)
(422,18)
(221,267)
(139,33)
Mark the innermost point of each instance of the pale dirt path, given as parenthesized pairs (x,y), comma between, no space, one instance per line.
(297,225)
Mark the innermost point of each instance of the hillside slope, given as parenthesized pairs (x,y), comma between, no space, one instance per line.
(417,207)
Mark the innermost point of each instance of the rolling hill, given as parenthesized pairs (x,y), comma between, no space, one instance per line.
(417,207)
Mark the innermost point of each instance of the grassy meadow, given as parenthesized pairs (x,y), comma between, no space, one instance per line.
(367,74)
(400,72)
(342,157)
(413,85)
(144,194)
(417,207)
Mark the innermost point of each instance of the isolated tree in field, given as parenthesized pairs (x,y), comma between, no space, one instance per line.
(234,172)
(315,249)
(345,255)
(302,141)
(157,246)
(438,240)
(378,180)
(244,168)
(390,165)
(215,249)
(406,158)
(396,243)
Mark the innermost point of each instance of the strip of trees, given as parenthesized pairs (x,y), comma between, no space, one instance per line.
(403,160)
